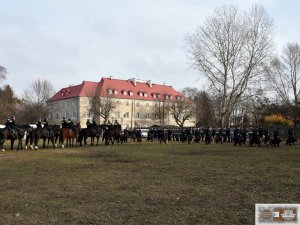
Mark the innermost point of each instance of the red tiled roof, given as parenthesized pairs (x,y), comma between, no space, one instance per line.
(115,88)
(86,88)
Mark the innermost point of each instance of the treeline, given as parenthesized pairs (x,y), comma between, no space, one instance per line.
(257,109)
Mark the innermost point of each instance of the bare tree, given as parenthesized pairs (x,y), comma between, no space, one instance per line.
(182,110)
(230,50)
(161,109)
(36,97)
(100,106)
(284,77)
(106,106)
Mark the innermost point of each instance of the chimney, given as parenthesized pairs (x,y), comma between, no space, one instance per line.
(133,80)
(149,83)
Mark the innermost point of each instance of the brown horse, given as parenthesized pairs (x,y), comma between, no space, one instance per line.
(111,134)
(7,133)
(69,134)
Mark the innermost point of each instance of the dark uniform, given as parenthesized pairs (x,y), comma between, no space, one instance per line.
(88,123)
(94,124)
(45,122)
(64,123)
(10,123)
(39,124)
(70,123)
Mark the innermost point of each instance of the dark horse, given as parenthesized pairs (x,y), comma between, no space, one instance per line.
(69,134)
(34,135)
(93,132)
(56,131)
(12,134)
(111,134)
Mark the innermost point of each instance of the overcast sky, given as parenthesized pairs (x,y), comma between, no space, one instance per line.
(68,41)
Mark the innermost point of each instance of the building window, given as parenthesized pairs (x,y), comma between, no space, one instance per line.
(51,116)
(137,104)
(74,115)
(124,92)
(138,115)
(109,91)
(140,93)
(67,115)
(57,116)
(147,115)
(131,93)
(127,103)
(118,115)
(145,94)
(126,115)
(115,91)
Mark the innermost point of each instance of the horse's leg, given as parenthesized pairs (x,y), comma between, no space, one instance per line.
(36,141)
(2,144)
(20,144)
(52,139)
(44,143)
(61,140)
(12,144)
(97,140)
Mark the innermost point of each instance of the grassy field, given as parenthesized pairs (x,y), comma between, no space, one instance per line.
(146,183)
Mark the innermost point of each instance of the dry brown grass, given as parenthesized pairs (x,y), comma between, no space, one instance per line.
(145,183)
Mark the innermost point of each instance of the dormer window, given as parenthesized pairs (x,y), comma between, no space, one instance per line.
(109,91)
(171,97)
(154,95)
(140,93)
(178,97)
(145,94)
(124,92)
(115,91)
(130,93)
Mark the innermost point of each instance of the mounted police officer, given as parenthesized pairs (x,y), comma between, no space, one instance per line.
(70,123)
(117,125)
(10,123)
(46,126)
(39,124)
(64,123)
(94,124)
(45,122)
(88,123)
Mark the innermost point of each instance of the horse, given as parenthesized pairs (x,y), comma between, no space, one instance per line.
(93,132)
(44,133)
(12,134)
(69,133)
(111,134)
(56,131)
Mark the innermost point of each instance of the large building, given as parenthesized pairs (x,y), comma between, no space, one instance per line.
(133,103)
